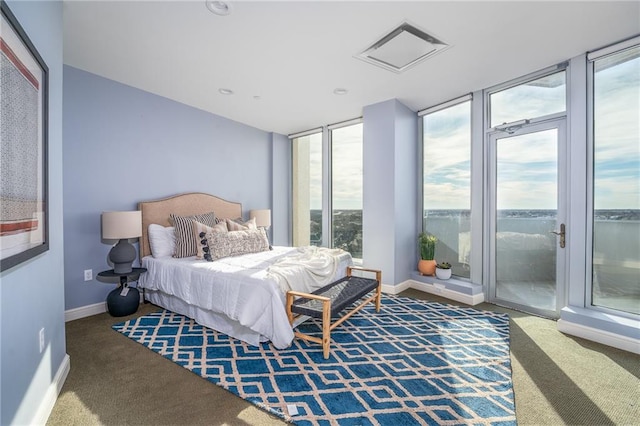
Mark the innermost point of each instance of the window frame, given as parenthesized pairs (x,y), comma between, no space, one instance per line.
(327,176)
(292,137)
(563,66)
(329,129)
(475,252)
(590,60)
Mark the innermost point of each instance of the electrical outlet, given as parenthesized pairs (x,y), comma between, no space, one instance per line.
(88,274)
(41,339)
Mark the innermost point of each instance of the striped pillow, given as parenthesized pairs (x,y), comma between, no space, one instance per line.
(186,242)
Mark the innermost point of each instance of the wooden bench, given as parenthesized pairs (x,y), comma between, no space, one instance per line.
(332,299)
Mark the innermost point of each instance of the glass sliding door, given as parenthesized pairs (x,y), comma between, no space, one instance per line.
(527,226)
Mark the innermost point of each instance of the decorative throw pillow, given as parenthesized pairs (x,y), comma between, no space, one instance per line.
(186,242)
(161,240)
(239,225)
(233,243)
(200,230)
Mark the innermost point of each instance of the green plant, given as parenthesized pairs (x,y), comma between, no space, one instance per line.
(427,245)
(443,265)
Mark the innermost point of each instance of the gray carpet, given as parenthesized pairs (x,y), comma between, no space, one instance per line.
(557,379)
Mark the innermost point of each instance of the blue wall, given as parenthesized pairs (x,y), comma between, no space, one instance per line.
(281,203)
(123,145)
(389,214)
(31,293)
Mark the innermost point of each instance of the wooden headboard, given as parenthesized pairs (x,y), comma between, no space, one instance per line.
(157,211)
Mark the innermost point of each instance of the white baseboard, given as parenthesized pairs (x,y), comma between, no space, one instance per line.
(396,289)
(51,395)
(89,310)
(85,311)
(469,299)
(600,336)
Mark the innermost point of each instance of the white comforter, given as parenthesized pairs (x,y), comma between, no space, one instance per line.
(251,288)
(307,269)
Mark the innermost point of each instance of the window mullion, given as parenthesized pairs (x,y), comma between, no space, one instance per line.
(326,187)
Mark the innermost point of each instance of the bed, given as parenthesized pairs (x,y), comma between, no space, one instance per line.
(241,296)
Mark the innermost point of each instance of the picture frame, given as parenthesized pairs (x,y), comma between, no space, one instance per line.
(24,99)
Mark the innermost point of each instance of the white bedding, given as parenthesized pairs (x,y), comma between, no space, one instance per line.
(242,288)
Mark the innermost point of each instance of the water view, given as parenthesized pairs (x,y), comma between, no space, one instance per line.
(524,243)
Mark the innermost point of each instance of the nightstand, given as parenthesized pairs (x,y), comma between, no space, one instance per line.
(124,300)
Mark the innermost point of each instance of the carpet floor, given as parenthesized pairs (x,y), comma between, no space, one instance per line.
(557,379)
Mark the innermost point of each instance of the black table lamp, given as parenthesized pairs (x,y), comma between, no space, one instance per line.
(122,226)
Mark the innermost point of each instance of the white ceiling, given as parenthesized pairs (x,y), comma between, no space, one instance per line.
(292,55)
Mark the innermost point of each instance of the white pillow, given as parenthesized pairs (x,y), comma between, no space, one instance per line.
(162,240)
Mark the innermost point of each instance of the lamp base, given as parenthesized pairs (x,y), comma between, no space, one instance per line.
(122,256)
(120,306)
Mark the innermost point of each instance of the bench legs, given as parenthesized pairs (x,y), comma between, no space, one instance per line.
(327,327)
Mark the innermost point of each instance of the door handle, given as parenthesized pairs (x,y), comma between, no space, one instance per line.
(562,234)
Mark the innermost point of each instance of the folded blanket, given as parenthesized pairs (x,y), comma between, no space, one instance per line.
(308,270)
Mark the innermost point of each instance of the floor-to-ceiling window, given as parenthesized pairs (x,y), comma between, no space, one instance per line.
(535,128)
(615,204)
(346,188)
(307,188)
(446,186)
(327,187)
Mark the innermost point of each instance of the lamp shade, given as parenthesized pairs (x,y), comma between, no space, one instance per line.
(121,225)
(263,217)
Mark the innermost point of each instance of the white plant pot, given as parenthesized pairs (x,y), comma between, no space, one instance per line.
(443,274)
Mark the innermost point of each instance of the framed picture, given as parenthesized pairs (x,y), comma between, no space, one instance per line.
(24,230)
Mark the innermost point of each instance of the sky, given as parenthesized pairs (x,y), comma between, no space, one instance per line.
(617,134)
(346,160)
(527,164)
(447,158)
(346,166)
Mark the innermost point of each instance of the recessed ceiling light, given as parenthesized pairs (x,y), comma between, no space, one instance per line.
(224,91)
(340,91)
(221,8)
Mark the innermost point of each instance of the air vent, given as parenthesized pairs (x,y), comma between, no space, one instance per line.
(402,48)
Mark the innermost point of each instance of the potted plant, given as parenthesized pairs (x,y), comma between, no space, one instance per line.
(443,270)
(427,246)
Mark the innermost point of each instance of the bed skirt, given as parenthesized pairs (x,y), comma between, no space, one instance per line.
(205,317)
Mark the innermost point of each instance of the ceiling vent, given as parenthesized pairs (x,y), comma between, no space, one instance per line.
(402,48)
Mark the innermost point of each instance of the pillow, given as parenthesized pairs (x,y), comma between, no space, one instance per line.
(200,230)
(186,242)
(239,225)
(233,243)
(161,240)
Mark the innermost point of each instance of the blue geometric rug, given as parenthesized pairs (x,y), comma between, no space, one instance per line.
(414,362)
